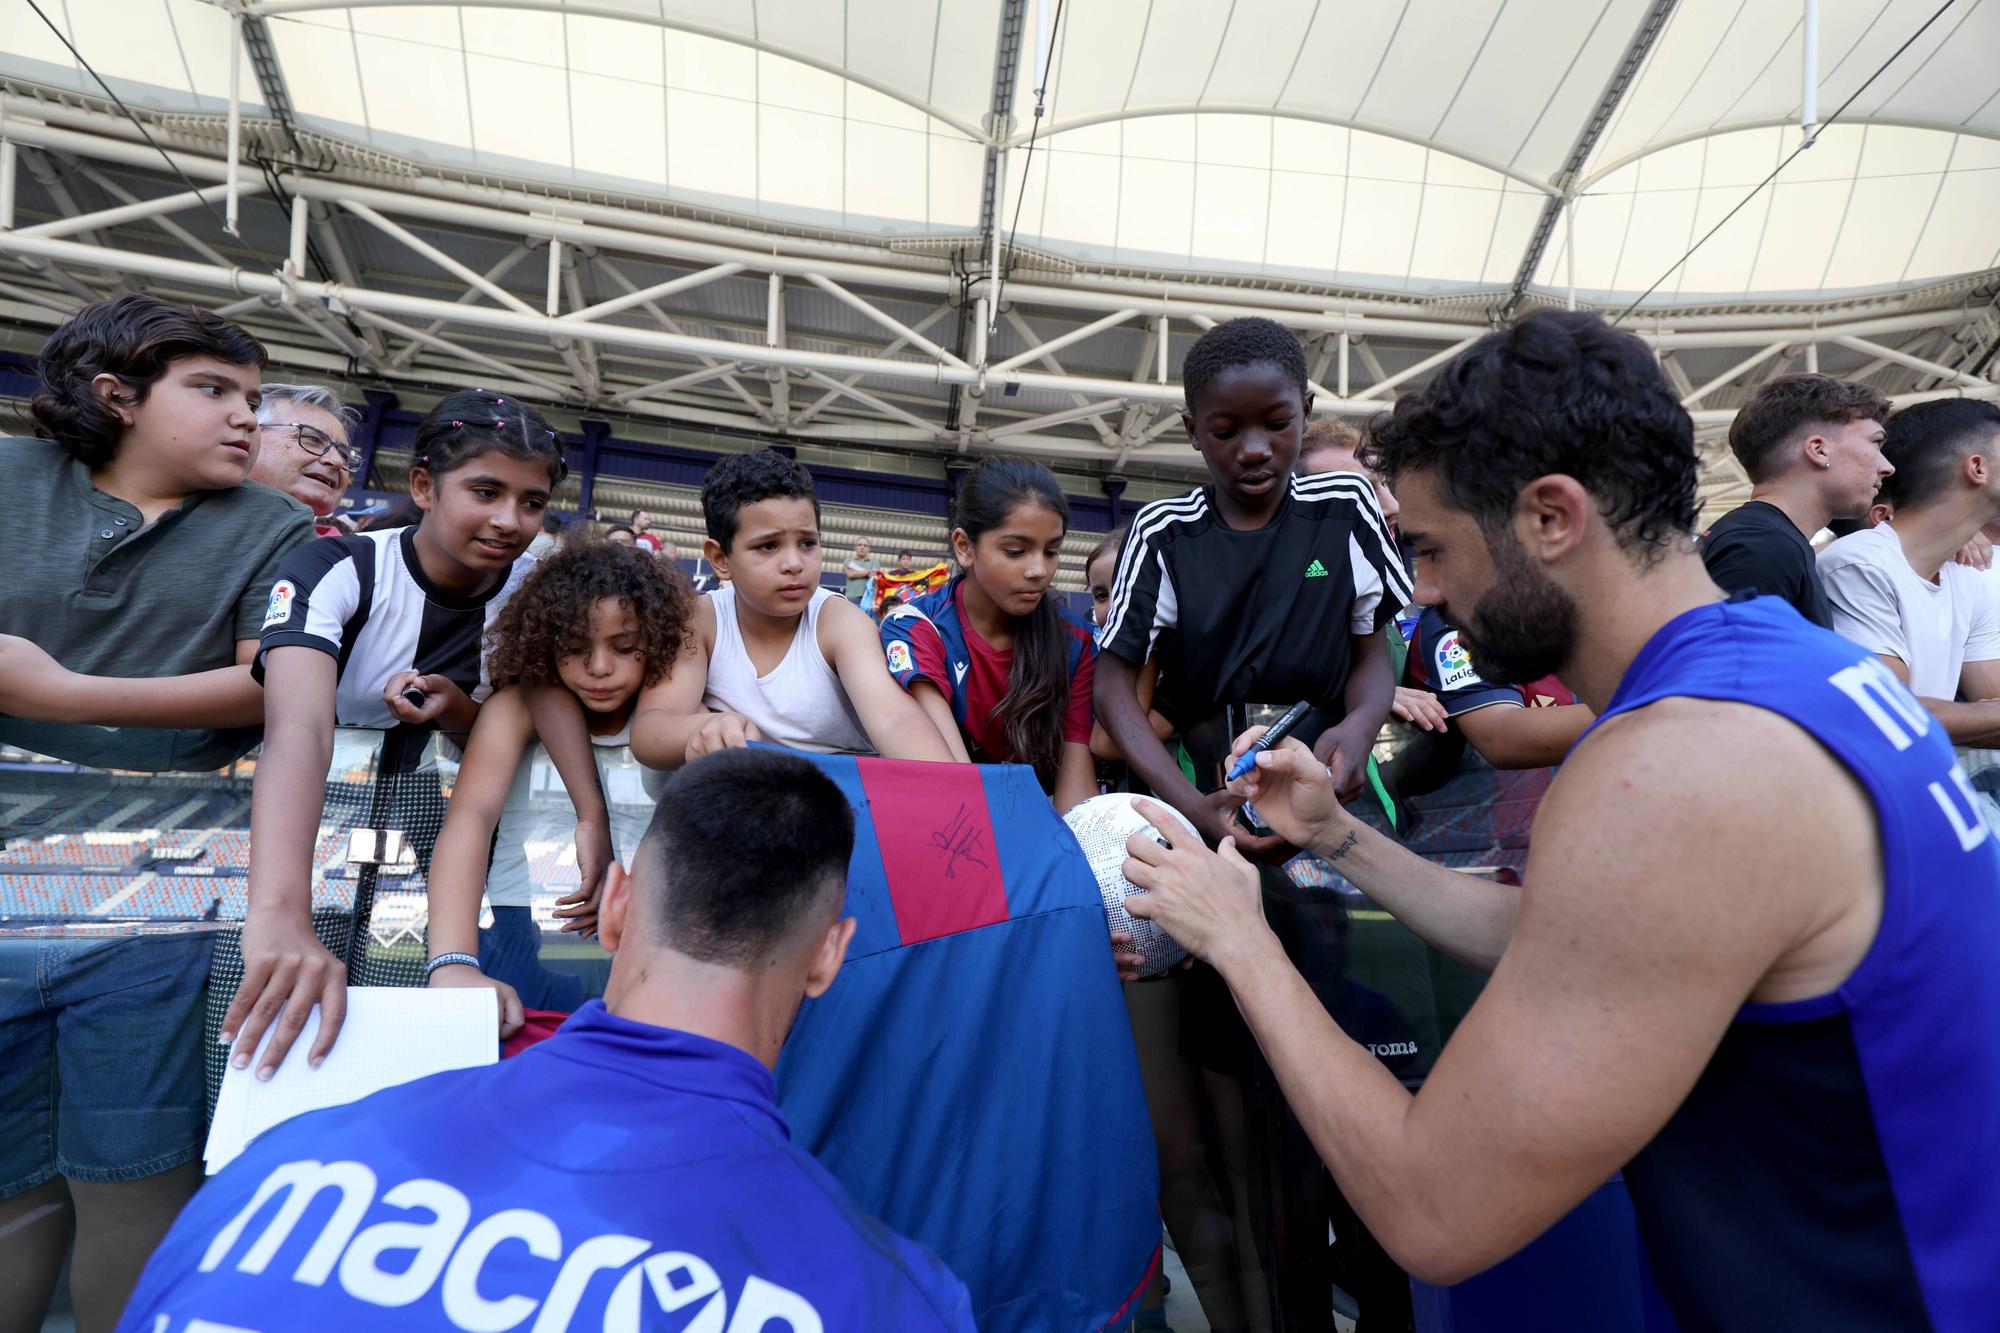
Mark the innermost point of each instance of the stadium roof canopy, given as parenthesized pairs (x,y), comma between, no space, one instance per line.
(832,184)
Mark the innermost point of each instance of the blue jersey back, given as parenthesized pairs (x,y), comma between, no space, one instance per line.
(617,1176)
(1838,1163)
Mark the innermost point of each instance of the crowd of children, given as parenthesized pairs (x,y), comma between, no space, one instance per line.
(1248,592)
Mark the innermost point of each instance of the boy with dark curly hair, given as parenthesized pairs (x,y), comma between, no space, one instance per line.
(600,622)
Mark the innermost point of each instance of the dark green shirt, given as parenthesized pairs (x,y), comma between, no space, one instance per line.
(105,596)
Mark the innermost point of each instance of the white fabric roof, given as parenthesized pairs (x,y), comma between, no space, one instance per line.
(1401,147)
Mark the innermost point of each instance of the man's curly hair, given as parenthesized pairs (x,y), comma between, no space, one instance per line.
(1556,391)
(552,610)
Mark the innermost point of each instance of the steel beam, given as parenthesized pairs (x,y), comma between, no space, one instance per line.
(879,316)
(1382,386)
(1027,335)
(1928,367)
(887,409)
(1748,363)
(1043,351)
(654,293)
(667,322)
(132,212)
(419,245)
(165,224)
(827,398)
(1562,199)
(451,348)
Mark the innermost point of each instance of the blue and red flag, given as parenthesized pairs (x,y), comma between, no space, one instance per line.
(970,1078)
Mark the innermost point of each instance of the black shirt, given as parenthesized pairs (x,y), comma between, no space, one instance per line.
(1255,617)
(1755,548)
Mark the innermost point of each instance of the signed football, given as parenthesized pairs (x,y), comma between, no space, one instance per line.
(1101,825)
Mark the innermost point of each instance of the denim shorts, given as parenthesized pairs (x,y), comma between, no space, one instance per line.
(100,1056)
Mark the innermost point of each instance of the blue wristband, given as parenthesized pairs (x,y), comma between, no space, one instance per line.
(471,960)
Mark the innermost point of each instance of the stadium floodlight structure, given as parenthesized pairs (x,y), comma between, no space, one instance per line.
(1033,291)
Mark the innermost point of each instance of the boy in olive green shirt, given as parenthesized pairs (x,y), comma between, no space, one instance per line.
(135,571)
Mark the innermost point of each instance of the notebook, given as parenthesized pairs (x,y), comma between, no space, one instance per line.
(393,1034)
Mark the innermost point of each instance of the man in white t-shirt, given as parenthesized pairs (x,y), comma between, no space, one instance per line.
(1895,589)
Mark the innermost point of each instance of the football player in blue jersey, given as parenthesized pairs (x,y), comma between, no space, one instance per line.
(1755,957)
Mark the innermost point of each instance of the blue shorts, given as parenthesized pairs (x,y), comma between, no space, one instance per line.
(100,1057)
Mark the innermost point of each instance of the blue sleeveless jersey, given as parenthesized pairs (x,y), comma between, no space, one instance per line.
(1837,1165)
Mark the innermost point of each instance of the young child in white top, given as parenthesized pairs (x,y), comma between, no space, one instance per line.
(773,658)
(600,623)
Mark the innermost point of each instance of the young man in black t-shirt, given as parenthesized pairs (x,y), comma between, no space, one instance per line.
(1812,447)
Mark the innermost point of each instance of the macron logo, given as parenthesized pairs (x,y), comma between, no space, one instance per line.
(1317,571)
(433,1248)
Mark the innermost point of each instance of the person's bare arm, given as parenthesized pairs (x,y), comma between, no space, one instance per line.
(1633,952)
(938,709)
(1101,744)
(1371,690)
(1076,779)
(1115,700)
(463,856)
(669,725)
(34,685)
(1514,736)
(896,724)
(283,960)
(556,717)
(1468,917)
(1975,723)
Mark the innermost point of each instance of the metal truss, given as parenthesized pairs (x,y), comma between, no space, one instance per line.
(581,331)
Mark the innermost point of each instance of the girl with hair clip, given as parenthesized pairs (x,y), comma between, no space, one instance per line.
(999,667)
(602,622)
(381,630)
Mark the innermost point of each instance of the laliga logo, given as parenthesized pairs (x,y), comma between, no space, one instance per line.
(448,1251)
(1452,653)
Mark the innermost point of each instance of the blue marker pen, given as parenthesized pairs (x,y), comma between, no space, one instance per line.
(1280,729)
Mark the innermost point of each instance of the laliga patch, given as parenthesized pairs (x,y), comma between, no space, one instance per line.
(899,658)
(1453,664)
(280,609)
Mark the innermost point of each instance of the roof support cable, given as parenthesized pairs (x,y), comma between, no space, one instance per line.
(1044,66)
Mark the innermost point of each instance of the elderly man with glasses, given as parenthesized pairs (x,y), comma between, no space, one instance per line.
(303,449)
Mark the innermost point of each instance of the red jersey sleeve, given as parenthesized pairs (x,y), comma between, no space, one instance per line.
(915,650)
(1078,716)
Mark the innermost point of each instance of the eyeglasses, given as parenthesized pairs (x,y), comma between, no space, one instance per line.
(317,443)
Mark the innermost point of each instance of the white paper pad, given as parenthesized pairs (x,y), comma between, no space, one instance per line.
(393,1034)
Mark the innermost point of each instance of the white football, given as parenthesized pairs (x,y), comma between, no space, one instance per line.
(1101,825)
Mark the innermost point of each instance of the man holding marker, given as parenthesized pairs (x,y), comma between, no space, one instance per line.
(1801,1084)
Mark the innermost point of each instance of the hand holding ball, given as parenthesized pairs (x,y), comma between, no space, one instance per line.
(1101,826)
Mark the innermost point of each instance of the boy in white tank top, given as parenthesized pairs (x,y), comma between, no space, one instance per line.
(774,657)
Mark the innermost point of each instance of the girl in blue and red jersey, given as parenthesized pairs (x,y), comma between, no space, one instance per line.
(997,664)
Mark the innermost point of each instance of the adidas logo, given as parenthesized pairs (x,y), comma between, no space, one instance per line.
(1316,571)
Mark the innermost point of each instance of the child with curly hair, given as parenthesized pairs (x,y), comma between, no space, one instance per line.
(603,622)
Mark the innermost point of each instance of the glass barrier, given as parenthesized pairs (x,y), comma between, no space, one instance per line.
(156,867)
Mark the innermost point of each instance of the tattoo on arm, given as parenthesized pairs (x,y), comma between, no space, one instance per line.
(1346,846)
